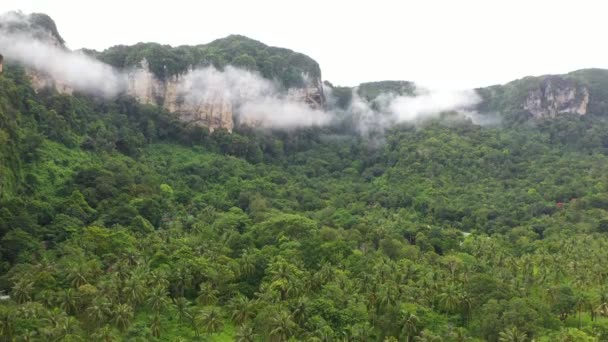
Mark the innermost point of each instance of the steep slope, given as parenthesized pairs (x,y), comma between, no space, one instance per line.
(581,92)
(155,73)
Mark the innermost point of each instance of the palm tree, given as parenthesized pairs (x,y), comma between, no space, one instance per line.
(157,300)
(207,294)
(181,305)
(69,301)
(512,335)
(409,325)
(284,277)
(300,310)
(133,290)
(282,327)
(155,326)
(7,325)
(388,294)
(359,332)
(245,334)
(97,313)
(460,335)
(243,309)
(426,336)
(247,262)
(105,334)
(450,298)
(46,297)
(27,336)
(123,313)
(323,333)
(76,274)
(65,327)
(211,320)
(22,291)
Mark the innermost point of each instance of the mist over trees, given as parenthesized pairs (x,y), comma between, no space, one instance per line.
(118,222)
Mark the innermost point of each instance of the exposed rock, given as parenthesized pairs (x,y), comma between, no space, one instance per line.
(555,95)
(213,113)
(312,93)
(41,80)
(146,88)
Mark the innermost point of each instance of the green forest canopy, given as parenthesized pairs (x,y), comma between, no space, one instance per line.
(119,222)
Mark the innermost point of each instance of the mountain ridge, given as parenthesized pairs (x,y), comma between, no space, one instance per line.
(154,70)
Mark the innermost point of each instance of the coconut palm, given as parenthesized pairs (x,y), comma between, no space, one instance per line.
(68,301)
(22,291)
(7,325)
(133,291)
(155,326)
(245,334)
(409,325)
(105,334)
(157,299)
(451,298)
(181,305)
(247,262)
(282,327)
(98,312)
(243,309)
(123,313)
(512,335)
(211,320)
(207,294)
(284,277)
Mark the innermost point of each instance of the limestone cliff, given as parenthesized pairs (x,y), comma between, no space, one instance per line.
(312,93)
(555,95)
(539,97)
(144,86)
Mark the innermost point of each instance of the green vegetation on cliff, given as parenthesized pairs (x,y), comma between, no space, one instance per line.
(119,223)
(286,66)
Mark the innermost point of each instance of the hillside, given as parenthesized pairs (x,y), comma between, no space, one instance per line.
(121,222)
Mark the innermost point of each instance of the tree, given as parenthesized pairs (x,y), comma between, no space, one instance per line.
(211,320)
(98,311)
(22,290)
(282,327)
(157,299)
(133,290)
(409,325)
(181,304)
(105,334)
(122,315)
(450,298)
(245,334)
(69,301)
(512,335)
(243,309)
(156,325)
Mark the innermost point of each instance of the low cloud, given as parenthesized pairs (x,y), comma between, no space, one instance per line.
(390,109)
(429,104)
(44,54)
(256,101)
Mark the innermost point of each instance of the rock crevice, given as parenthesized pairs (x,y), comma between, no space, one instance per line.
(556,95)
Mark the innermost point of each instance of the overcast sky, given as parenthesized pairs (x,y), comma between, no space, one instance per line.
(444,44)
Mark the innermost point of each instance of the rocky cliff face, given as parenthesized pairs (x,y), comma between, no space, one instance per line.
(146,88)
(312,94)
(213,112)
(555,95)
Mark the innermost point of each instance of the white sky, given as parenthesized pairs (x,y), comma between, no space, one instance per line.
(443,44)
